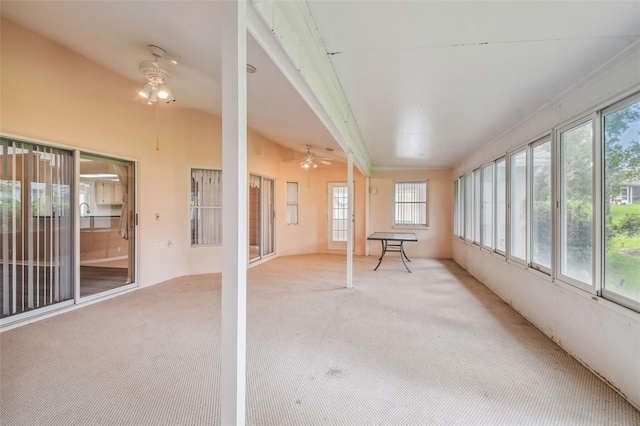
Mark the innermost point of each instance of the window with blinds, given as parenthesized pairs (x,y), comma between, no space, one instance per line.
(206,207)
(410,201)
(292,203)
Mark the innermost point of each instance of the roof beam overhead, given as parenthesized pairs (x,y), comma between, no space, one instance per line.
(287,33)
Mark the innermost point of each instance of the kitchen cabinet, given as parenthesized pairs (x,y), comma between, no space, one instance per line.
(108,193)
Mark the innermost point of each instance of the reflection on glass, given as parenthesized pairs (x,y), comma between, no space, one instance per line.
(622,193)
(518,203)
(476,206)
(576,163)
(36,267)
(541,204)
(107,237)
(487,206)
(468,204)
(501,204)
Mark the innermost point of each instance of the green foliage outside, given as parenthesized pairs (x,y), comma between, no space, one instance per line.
(622,255)
(622,222)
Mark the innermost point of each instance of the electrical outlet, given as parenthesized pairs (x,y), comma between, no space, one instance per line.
(118,249)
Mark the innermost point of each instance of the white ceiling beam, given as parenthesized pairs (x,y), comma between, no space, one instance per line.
(287,33)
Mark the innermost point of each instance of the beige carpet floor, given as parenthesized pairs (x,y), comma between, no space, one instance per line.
(434,347)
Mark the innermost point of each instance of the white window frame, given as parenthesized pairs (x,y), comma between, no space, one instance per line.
(510,227)
(192,206)
(558,201)
(289,203)
(495,206)
(599,197)
(534,144)
(456,207)
(484,244)
(461,207)
(477,206)
(424,203)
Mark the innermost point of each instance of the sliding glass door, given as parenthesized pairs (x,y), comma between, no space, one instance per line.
(43,254)
(36,253)
(261,217)
(107,237)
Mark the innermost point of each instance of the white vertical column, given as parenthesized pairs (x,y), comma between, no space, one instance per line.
(350,221)
(367,213)
(234,213)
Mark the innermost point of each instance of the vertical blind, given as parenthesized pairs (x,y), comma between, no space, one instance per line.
(292,203)
(411,203)
(35,205)
(206,207)
(268,212)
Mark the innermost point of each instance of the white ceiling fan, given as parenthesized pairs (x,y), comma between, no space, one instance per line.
(310,160)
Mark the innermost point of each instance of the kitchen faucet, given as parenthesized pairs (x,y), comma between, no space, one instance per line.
(88,211)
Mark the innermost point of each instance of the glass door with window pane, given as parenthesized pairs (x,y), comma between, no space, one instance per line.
(36,252)
(338,218)
(107,217)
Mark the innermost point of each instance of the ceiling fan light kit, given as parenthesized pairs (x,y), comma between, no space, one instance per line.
(157,75)
(310,160)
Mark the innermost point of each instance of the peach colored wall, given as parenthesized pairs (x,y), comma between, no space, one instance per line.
(321,177)
(300,238)
(433,242)
(56,96)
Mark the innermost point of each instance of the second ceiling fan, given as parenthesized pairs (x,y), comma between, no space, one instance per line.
(309,160)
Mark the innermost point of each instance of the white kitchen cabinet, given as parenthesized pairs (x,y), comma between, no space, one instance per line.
(108,193)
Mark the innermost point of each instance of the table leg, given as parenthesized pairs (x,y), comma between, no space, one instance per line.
(384,249)
(402,255)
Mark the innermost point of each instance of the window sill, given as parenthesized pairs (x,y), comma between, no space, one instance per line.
(410,227)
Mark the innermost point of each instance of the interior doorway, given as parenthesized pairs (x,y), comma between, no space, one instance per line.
(261,217)
(107,220)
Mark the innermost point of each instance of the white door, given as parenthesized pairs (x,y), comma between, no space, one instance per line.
(338,203)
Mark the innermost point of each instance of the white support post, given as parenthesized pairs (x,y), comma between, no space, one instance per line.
(367,213)
(350,221)
(234,214)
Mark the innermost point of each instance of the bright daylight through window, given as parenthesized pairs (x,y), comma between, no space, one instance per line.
(576,202)
(621,136)
(410,204)
(206,207)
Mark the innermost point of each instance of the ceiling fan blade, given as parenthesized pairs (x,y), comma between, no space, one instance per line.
(325,162)
(293,159)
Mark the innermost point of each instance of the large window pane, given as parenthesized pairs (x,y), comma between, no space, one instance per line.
(501,205)
(411,204)
(292,203)
(206,207)
(476,206)
(456,209)
(518,205)
(468,207)
(576,200)
(541,205)
(487,206)
(622,196)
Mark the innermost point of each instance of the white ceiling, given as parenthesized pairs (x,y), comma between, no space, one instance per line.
(431,82)
(428,82)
